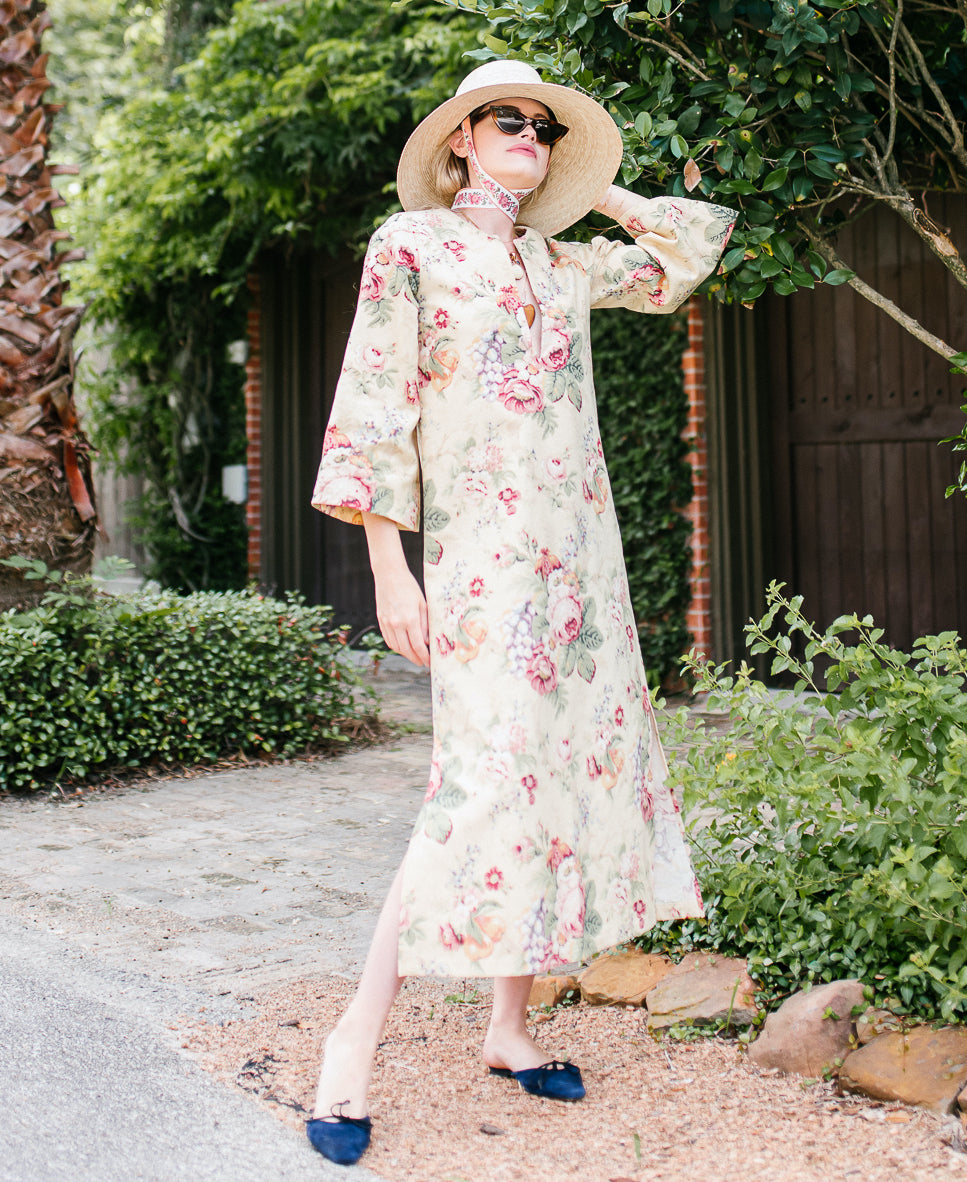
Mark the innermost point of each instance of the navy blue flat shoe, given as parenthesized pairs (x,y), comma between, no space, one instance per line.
(340,1139)
(553,1081)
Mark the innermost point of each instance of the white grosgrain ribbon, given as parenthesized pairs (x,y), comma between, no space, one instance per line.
(492,193)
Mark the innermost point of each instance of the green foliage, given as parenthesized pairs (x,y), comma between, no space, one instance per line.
(90,681)
(250,125)
(784,106)
(829,823)
(642,409)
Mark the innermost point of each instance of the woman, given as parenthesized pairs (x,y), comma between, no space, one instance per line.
(548,832)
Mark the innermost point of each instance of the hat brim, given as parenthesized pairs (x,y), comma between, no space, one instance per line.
(582,165)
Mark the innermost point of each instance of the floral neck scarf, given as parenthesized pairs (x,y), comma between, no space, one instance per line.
(492,193)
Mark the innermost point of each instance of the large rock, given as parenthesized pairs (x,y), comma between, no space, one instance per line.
(922,1066)
(552,989)
(873,1022)
(706,989)
(811,1032)
(622,978)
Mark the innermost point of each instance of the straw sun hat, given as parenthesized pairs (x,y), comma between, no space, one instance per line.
(583,164)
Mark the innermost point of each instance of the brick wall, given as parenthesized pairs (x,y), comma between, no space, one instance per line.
(253,429)
(699,615)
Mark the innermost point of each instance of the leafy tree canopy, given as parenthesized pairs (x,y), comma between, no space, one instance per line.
(801,114)
(286,124)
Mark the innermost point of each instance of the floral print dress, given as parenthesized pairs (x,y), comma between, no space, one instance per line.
(548,831)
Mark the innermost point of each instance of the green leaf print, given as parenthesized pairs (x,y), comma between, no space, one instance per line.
(586,667)
(382,502)
(437,824)
(432,551)
(569,660)
(590,636)
(450,797)
(435,519)
(574,395)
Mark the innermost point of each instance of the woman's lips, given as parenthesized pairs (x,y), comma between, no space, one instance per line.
(525,148)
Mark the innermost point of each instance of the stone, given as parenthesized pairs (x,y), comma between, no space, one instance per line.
(874,1022)
(922,1066)
(811,1033)
(551,990)
(706,989)
(622,978)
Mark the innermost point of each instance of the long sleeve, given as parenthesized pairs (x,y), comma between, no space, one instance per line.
(677,244)
(370,458)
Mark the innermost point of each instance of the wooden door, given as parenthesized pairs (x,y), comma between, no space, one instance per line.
(858,409)
(307,303)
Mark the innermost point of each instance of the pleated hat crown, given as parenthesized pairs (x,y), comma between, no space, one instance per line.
(582,165)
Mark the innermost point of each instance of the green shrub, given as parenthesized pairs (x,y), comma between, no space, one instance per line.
(829,825)
(639,386)
(91,681)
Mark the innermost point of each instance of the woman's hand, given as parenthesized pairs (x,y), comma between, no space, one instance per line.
(400,605)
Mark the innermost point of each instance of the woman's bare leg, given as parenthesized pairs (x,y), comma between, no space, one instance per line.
(507,1043)
(347,1064)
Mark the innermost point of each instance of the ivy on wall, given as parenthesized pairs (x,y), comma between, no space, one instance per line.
(643,410)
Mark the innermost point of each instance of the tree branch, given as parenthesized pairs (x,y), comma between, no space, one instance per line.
(955,131)
(824,247)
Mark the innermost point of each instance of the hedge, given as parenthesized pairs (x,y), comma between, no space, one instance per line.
(91,681)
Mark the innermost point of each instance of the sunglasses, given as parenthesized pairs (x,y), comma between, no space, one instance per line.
(512,122)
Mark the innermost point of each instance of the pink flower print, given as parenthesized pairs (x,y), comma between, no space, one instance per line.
(406,258)
(646,802)
(444,645)
(619,716)
(541,672)
(564,750)
(524,850)
(476,587)
(412,392)
(441,318)
(372,285)
(594,768)
(600,449)
(529,784)
(519,394)
(657,298)
(493,457)
(457,249)
(449,938)
(509,300)
(493,878)
(374,358)
(346,477)
(556,469)
(557,347)
(507,497)
(641,912)
(569,901)
(436,781)
(565,617)
(547,563)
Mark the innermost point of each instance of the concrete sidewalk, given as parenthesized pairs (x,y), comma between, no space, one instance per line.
(123,911)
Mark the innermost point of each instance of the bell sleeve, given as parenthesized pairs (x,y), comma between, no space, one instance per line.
(370,456)
(677,245)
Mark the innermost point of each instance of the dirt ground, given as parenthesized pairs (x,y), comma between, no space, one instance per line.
(661,1111)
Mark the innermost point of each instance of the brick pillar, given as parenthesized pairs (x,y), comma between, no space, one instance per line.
(699,616)
(253,429)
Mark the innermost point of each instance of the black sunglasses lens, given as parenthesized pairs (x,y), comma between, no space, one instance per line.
(512,122)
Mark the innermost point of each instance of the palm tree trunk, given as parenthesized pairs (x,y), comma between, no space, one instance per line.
(46,505)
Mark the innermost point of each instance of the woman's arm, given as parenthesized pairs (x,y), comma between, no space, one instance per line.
(400,604)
